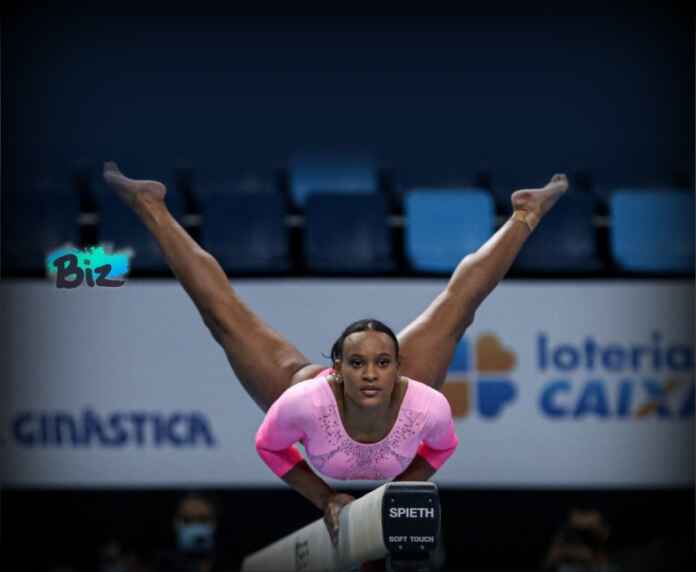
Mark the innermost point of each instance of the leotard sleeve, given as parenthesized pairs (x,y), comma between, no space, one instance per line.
(439,439)
(281,429)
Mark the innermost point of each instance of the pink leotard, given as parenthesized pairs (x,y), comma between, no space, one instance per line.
(308,413)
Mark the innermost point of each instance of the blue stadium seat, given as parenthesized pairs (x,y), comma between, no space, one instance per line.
(347,234)
(565,240)
(245,232)
(444,225)
(40,219)
(122,229)
(332,173)
(653,230)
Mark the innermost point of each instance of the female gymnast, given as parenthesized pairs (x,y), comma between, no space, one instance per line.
(377,413)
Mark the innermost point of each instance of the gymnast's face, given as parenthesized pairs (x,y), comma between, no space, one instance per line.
(369,368)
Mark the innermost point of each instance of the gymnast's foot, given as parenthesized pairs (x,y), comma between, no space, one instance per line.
(135,194)
(530,205)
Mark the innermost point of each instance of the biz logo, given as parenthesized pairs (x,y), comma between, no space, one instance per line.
(96,266)
(487,374)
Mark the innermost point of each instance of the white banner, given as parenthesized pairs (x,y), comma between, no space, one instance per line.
(556,384)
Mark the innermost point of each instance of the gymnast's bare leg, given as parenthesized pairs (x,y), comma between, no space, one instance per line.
(427,344)
(263,360)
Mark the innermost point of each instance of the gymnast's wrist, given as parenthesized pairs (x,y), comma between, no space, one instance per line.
(325,497)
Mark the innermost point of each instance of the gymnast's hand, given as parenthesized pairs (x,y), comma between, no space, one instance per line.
(332,511)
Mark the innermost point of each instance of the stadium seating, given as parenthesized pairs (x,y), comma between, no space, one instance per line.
(245,231)
(653,230)
(330,172)
(565,240)
(39,218)
(442,226)
(120,228)
(347,234)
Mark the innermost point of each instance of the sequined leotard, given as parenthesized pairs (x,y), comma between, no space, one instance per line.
(308,413)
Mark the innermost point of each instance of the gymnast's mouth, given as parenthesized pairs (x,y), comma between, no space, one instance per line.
(370,391)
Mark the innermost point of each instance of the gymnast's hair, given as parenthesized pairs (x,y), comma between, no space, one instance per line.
(367,325)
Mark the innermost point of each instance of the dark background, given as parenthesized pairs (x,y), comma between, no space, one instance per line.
(483,529)
(438,100)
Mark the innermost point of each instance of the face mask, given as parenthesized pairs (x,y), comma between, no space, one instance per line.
(195,538)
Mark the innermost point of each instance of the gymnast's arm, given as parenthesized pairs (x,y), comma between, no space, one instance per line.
(306,482)
(275,443)
(439,443)
(309,485)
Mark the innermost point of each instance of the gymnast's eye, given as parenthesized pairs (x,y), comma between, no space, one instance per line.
(384,362)
(356,362)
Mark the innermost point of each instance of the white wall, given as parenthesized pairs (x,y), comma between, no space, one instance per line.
(110,362)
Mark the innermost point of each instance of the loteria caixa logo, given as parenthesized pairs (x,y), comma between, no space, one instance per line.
(484,373)
(94,266)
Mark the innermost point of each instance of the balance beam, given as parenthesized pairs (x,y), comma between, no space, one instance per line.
(401,519)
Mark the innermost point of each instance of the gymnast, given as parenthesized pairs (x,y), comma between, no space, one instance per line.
(376,412)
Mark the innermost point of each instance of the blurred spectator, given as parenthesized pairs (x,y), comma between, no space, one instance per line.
(195,522)
(669,553)
(580,545)
(114,557)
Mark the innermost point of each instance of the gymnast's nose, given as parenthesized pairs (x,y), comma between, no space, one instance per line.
(370,372)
